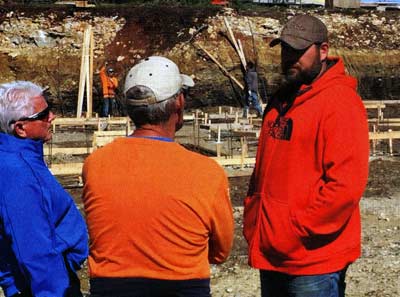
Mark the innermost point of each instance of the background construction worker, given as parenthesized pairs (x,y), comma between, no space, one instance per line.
(251,79)
(109,85)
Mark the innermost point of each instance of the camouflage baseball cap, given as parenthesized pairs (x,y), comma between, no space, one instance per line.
(301,31)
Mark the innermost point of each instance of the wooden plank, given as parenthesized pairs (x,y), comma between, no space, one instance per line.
(109,133)
(234,161)
(82,77)
(188,117)
(384,124)
(384,135)
(374,105)
(234,42)
(388,102)
(241,53)
(66,169)
(87,66)
(87,71)
(67,150)
(101,138)
(89,121)
(387,120)
(90,93)
(224,70)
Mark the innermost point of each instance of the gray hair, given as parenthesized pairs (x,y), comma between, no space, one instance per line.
(16,102)
(154,114)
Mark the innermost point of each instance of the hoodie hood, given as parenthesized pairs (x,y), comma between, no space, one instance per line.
(334,75)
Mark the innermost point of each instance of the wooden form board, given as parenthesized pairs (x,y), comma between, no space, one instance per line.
(388,120)
(236,160)
(99,122)
(374,105)
(48,151)
(225,126)
(101,138)
(384,135)
(66,169)
(76,168)
(388,102)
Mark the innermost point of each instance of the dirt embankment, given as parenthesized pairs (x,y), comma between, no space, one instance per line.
(44,45)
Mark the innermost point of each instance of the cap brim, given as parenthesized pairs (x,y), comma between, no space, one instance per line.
(274,42)
(293,41)
(187,80)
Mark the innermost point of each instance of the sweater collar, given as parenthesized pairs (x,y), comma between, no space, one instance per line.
(13,144)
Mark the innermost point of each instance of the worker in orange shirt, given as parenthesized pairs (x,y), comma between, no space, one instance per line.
(109,84)
(160,214)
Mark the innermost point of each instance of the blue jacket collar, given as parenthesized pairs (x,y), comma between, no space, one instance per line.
(13,144)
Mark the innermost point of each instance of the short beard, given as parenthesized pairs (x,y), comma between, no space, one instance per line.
(304,77)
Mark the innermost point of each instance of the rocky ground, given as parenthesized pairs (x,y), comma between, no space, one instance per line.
(375,274)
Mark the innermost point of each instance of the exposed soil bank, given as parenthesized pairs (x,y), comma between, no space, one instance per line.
(44,45)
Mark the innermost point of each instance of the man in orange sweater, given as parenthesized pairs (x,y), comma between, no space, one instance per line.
(301,216)
(109,84)
(157,213)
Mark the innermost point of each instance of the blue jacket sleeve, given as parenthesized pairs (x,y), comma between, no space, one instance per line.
(7,281)
(43,227)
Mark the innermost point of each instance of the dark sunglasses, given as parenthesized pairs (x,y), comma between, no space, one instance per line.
(41,115)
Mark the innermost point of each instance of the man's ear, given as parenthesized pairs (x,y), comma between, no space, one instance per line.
(19,130)
(180,102)
(323,50)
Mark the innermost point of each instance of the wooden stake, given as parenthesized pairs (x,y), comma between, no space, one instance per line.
(221,67)
(235,44)
(90,93)
(87,69)
(81,78)
(241,53)
(374,141)
(86,74)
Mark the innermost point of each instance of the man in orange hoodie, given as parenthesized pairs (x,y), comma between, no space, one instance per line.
(301,216)
(157,214)
(109,84)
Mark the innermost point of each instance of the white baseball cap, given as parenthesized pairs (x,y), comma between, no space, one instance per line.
(160,75)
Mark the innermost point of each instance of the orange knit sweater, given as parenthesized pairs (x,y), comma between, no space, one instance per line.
(155,210)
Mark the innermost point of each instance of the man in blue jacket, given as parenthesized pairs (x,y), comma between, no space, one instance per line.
(43,237)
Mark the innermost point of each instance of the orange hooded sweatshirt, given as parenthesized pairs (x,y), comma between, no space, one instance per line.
(109,84)
(301,215)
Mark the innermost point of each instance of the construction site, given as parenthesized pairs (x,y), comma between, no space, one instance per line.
(62,47)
